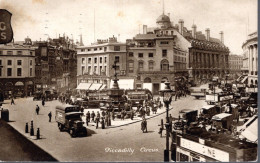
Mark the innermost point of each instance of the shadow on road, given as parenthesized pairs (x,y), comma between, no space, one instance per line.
(90,132)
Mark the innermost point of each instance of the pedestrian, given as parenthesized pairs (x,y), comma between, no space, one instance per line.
(148,111)
(43,102)
(97,121)
(98,116)
(12,101)
(88,116)
(132,114)
(37,109)
(106,120)
(93,116)
(113,115)
(50,115)
(103,113)
(102,123)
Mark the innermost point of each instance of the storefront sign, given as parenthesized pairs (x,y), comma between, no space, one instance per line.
(223,98)
(136,93)
(205,150)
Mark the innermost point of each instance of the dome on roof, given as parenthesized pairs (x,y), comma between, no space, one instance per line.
(163,18)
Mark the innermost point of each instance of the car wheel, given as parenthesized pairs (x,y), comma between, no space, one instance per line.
(72,133)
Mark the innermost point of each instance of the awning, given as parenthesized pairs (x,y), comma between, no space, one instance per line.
(243,81)
(19,84)
(102,87)
(251,132)
(84,86)
(124,83)
(95,86)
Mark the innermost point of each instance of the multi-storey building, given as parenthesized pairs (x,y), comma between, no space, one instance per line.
(208,56)
(56,64)
(250,49)
(94,62)
(17,68)
(235,65)
(157,55)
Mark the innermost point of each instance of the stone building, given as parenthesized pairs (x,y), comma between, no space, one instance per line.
(250,48)
(235,65)
(208,56)
(17,68)
(94,63)
(159,54)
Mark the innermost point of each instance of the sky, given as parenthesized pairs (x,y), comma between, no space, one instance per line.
(40,19)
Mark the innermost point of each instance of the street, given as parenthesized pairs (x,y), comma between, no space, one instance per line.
(125,143)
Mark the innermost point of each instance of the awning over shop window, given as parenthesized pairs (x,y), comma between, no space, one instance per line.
(95,86)
(124,83)
(84,86)
(251,132)
(19,84)
(103,87)
(244,80)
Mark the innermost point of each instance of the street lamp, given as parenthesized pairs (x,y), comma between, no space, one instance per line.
(166,93)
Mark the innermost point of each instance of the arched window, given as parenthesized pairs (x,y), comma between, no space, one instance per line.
(164,79)
(147,80)
(165,65)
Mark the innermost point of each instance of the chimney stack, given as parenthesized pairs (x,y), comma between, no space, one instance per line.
(207,34)
(144,29)
(194,31)
(181,24)
(221,33)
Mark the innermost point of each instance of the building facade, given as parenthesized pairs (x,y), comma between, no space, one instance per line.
(208,56)
(95,62)
(56,64)
(250,48)
(17,72)
(157,55)
(235,65)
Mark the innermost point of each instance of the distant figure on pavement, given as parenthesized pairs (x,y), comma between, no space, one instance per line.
(37,109)
(93,116)
(43,102)
(50,115)
(12,101)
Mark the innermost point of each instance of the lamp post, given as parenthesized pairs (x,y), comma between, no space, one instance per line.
(166,93)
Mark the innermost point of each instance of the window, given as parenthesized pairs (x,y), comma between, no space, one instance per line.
(105,59)
(100,60)
(0,62)
(31,53)
(89,69)
(19,71)
(116,48)
(1,52)
(95,49)
(105,48)
(131,66)
(105,69)
(100,70)
(0,71)
(9,71)
(82,60)
(82,50)
(164,65)
(131,54)
(100,48)
(31,72)
(164,53)
(89,60)
(171,32)
(9,52)
(9,62)
(30,62)
(95,60)
(82,70)
(140,66)
(151,65)
(166,32)
(117,58)
(19,62)
(19,53)
(150,55)
(89,49)
(140,55)
(95,70)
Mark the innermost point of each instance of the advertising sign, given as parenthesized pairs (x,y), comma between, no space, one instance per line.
(6,31)
(205,150)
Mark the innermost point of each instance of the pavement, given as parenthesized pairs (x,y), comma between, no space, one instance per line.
(123,143)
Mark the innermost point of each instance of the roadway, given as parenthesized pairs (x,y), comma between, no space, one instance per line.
(125,143)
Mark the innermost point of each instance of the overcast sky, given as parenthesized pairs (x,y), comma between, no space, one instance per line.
(41,18)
